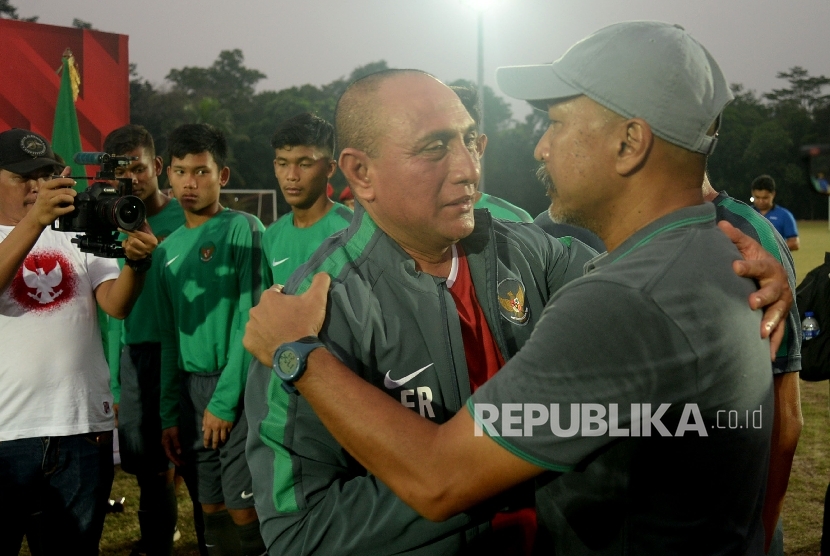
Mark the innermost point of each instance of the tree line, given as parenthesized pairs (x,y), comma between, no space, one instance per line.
(760,133)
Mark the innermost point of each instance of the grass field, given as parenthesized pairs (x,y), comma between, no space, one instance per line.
(803,508)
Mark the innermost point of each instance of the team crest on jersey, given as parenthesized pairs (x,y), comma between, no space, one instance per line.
(207,251)
(45,281)
(512,303)
(33,145)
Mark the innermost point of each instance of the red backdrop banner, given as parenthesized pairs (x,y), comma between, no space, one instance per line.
(30,55)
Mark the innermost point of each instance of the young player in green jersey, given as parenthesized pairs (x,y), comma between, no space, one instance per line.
(210,275)
(137,363)
(303,164)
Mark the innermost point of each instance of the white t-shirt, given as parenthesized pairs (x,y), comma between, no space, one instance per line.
(54,380)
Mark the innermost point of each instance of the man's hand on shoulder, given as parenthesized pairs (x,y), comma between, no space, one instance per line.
(281,318)
(774,294)
(54,198)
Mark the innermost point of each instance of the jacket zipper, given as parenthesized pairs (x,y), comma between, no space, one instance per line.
(448,347)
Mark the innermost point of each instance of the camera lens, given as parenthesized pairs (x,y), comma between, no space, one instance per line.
(129,212)
(126,212)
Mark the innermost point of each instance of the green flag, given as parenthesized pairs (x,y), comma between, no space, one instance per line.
(66,139)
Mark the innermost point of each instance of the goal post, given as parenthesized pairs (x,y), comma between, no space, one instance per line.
(262,203)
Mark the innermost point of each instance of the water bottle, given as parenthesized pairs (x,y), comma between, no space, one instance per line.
(809,326)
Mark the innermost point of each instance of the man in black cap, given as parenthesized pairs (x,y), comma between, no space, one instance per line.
(55,402)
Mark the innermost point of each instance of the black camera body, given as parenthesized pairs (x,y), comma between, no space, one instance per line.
(103,208)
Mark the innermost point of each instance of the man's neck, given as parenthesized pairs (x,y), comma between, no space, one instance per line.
(156,203)
(306,217)
(196,219)
(709,193)
(431,259)
(436,264)
(644,209)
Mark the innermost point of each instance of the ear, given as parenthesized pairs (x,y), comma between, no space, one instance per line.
(158,165)
(224,176)
(354,164)
(635,142)
(481,144)
(332,168)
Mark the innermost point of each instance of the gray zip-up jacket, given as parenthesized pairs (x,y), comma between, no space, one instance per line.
(398,328)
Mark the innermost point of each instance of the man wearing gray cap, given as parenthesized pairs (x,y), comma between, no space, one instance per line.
(641,402)
(55,401)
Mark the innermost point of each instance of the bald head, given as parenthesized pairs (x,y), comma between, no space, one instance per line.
(359,115)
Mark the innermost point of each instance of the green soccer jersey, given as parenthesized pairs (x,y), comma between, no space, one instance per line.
(209,277)
(500,208)
(140,326)
(285,247)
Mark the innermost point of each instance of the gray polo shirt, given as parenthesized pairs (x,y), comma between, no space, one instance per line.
(647,389)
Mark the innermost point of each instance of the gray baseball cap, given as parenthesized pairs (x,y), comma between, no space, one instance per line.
(639,69)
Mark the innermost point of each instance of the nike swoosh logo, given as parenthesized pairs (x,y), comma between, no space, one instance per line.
(246,495)
(168,263)
(391,383)
(275,262)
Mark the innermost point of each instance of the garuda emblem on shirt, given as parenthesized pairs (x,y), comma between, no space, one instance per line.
(207,251)
(512,305)
(45,281)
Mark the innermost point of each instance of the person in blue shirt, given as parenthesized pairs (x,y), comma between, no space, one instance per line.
(763,197)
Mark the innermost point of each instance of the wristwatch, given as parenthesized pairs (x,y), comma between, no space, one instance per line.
(142,265)
(291,358)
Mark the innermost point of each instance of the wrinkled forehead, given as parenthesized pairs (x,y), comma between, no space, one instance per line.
(415,106)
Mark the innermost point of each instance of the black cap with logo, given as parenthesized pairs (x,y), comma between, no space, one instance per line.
(23,151)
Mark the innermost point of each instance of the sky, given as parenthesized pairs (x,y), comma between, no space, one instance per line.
(318,41)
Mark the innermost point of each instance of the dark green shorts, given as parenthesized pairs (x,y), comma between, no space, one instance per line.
(223,474)
(139,421)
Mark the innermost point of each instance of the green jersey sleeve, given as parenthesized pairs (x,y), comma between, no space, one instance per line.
(246,241)
(170,372)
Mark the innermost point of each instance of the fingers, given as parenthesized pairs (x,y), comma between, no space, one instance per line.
(176,446)
(280,318)
(776,338)
(170,442)
(731,232)
(215,437)
(215,430)
(207,436)
(319,289)
(138,244)
(54,198)
(773,286)
(774,317)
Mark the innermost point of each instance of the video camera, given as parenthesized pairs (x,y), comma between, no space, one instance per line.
(103,208)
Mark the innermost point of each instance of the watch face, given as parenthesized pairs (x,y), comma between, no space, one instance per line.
(288,362)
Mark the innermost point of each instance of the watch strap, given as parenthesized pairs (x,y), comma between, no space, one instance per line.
(139,266)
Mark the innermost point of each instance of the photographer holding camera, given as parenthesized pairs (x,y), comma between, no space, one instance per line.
(55,402)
